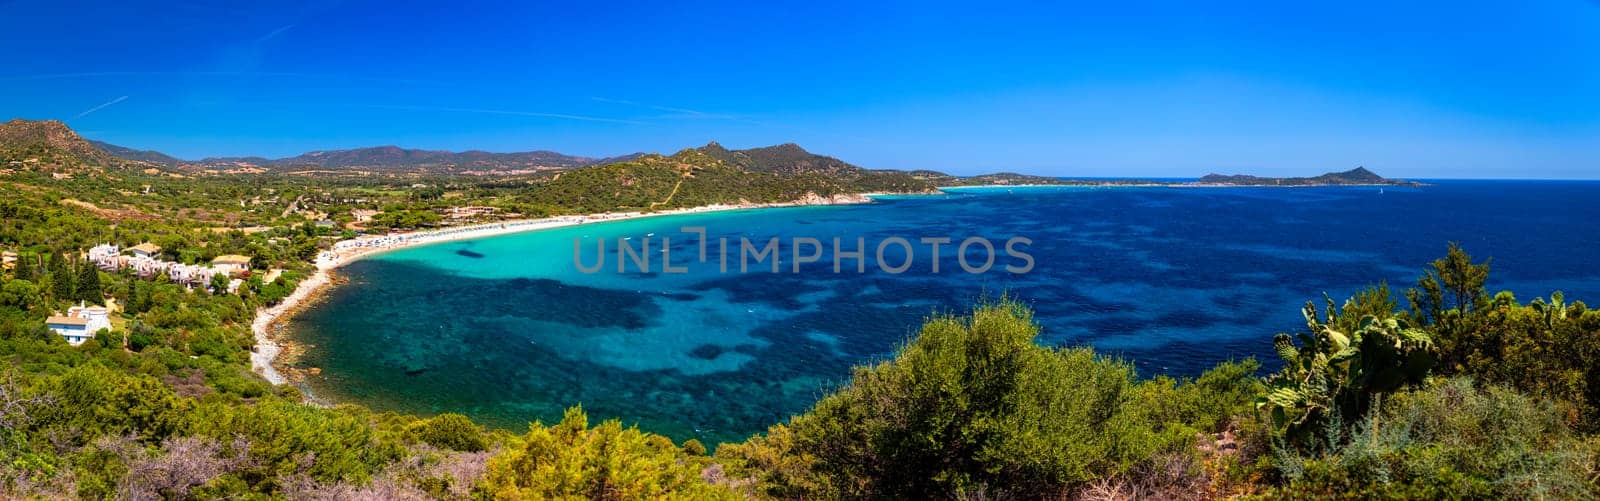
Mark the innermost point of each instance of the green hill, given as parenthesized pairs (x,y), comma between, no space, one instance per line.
(692,178)
(47,143)
(786,159)
(791,161)
(1356,176)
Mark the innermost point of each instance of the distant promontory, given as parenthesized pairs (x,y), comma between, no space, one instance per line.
(1358,176)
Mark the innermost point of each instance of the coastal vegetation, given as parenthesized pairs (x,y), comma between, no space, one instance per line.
(1457,392)
(972,406)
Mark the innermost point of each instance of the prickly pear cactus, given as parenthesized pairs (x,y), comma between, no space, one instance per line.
(1336,372)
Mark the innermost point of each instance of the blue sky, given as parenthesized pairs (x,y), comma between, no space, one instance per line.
(1420,89)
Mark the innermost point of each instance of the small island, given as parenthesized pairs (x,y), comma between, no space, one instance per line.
(1358,176)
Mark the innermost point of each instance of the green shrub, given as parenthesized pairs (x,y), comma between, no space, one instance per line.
(1206,404)
(450,431)
(569,460)
(1452,440)
(93,400)
(287,438)
(971,404)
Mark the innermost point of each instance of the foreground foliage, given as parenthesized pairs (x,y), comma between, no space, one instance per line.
(973,406)
(570,460)
(1462,393)
(1451,440)
(1341,365)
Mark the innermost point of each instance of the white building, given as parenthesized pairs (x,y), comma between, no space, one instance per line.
(231,264)
(80,323)
(107,257)
(145,250)
(103,251)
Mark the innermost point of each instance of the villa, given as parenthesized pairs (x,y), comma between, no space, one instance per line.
(231,264)
(80,323)
(145,250)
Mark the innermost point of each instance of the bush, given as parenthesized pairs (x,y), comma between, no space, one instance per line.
(571,460)
(1452,440)
(94,401)
(287,438)
(971,405)
(1209,403)
(450,431)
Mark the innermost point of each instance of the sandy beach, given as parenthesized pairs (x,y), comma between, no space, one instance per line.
(266,349)
(348,251)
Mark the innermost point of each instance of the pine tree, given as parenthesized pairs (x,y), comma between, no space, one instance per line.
(24,268)
(131,304)
(89,284)
(61,281)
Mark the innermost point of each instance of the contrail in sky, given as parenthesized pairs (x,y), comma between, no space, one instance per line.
(651,106)
(218,74)
(274,33)
(681,112)
(100,107)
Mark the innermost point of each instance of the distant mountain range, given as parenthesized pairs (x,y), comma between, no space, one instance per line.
(147,156)
(395,157)
(52,142)
(373,158)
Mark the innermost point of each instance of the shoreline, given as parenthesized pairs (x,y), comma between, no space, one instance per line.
(265,354)
(1175,185)
(267,351)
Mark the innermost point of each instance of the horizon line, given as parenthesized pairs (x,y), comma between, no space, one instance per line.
(644,152)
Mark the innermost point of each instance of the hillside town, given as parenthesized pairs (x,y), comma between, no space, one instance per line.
(144,261)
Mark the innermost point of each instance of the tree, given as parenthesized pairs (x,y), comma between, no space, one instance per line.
(138,297)
(62,284)
(219,283)
(1451,284)
(20,294)
(24,269)
(89,284)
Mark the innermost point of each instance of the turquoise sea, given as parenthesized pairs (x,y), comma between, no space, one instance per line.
(509,330)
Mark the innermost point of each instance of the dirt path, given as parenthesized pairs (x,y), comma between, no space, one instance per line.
(674,193)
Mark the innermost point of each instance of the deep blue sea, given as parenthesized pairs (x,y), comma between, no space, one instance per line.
(510,330)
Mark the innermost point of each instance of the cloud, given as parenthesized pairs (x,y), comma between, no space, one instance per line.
(537,114)
(100,107)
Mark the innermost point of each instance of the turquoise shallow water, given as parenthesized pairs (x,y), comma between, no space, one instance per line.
(509,330)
